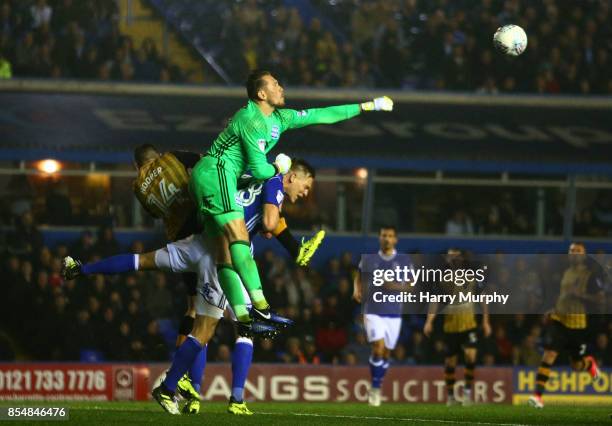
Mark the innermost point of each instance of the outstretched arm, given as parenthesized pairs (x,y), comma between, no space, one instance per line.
(293,119)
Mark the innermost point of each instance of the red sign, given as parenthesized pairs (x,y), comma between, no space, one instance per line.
(266,382)
(283,382)
(95,382)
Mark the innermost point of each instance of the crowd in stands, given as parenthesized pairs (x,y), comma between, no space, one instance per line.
(134,317)
(75,39)
(465,211)
(412,44)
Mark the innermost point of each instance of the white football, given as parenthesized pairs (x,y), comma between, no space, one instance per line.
(510,39)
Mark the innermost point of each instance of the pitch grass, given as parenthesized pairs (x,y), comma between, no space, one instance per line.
(106,413)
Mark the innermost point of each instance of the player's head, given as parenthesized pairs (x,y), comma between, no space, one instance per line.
(145,153)
(299,181)
(577,253)
(454,256)
(387,238)
(263,87)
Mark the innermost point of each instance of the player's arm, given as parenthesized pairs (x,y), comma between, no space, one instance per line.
(271,217)
(594,290)
(431,316)
(251,135)
(357,293)
(486,324)
(293,119)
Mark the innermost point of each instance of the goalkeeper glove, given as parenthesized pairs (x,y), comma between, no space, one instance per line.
(308,248)
(379,104)
(282,163)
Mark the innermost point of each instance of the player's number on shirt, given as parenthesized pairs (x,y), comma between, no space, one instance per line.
(168,194)
(472,337)
(582,349)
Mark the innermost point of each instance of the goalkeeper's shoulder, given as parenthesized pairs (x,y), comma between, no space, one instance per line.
(246,120)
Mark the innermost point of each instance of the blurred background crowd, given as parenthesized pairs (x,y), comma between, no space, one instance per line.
(76,39)
(134,317)
(62,201)
(409,44)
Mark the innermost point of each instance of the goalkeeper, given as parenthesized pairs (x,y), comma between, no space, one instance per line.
(251,133)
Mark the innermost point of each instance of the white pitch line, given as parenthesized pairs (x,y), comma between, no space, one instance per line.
(339,416)
(401,419)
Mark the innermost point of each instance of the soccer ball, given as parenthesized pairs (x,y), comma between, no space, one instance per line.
(510,39)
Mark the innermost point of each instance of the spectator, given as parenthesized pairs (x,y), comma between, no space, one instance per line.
(527,354)
(293,353)
(310,355)
(41,13)
(603,350)
(155,348)
(459,224)
(107,245)
(158,296)
(84,248)
(27,239)
(58,205)
(265,351)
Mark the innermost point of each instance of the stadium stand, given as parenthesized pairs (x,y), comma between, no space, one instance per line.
(129,319)
(405,44)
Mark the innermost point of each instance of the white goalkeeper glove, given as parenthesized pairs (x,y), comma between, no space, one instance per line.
(378,104)
(282,163)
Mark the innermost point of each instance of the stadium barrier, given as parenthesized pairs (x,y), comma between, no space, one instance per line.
(335,245)
(426,131)
(293,383)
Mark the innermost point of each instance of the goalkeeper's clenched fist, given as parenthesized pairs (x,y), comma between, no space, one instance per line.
(379,104)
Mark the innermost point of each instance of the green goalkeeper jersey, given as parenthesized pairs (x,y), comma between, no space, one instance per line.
(250,135)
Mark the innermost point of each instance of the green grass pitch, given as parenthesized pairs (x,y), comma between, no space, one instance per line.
(105,413)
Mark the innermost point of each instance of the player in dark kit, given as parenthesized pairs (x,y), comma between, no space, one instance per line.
(460,331)
(580,284)
(162,188)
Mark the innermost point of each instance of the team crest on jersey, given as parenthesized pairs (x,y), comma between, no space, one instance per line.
(262,144)
(302,113)
(275,132)
(246,197)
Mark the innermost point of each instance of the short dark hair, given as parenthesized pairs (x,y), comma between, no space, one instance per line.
(390,227)
(143,152)
(301,165)
(255,82)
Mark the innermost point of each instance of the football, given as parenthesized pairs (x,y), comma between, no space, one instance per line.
(510,39)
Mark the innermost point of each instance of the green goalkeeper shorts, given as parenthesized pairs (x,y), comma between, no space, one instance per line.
(213,188)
